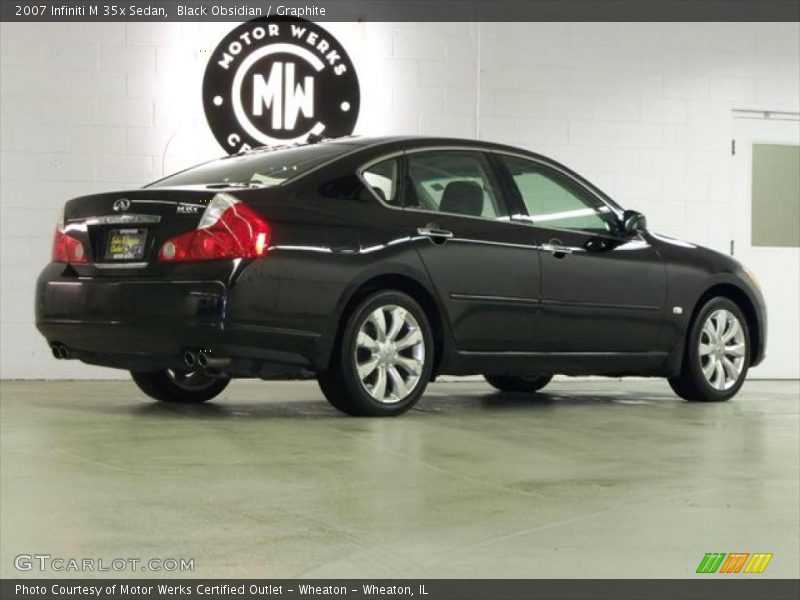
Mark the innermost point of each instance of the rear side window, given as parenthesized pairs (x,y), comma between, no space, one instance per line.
(260,167)
(455,182)
(383,178)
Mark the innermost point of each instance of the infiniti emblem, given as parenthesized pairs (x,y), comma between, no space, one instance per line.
(122,205)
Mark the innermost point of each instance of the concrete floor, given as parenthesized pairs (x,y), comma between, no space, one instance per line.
(591,479)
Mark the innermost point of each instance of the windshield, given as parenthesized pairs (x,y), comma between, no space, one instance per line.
(261,168)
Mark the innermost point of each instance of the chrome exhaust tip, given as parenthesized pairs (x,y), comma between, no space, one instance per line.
(60,351)
(212,362)
(189,358)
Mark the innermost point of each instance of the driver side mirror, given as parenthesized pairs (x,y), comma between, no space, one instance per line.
(633,222)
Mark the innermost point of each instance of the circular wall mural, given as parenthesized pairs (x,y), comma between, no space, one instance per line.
(272,81)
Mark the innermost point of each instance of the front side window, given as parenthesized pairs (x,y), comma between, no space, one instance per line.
(453,181)
(382,178)
(556,202)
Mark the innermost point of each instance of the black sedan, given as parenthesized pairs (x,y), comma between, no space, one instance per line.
(377,264)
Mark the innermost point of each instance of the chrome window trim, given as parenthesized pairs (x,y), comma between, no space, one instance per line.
(546,162)
(514,219)
(509,220)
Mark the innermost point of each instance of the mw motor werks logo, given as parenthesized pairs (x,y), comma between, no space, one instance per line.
(278,81)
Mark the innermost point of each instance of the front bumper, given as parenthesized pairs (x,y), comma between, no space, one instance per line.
(148,324)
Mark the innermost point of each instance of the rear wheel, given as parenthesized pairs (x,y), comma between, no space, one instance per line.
(384,358)
(190,387)
(526,385)
(717,354)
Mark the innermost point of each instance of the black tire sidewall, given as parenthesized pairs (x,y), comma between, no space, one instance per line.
(359,401)
(692,350)
(518,384)
(160,386)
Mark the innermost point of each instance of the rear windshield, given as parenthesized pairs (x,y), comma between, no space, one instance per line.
(261,167)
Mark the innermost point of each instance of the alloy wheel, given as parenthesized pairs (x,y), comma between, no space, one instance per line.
(389,353)
(722,349)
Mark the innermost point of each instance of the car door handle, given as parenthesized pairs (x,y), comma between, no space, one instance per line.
(435,233)
(557,250)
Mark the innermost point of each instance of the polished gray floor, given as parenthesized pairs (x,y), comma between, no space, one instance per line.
(591,479)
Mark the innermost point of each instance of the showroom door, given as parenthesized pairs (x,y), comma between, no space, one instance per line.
(767,192)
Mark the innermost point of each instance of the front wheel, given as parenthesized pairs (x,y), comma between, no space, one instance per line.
(183,387)
(383,360)
(717,354)
(525,385)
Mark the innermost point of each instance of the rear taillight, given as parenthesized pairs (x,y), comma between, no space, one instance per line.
(67,249)
(228,229)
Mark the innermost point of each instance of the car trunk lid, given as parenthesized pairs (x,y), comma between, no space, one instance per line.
(123,231)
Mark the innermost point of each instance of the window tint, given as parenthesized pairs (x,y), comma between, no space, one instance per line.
(554,201)
(261,167)
(383,178)
(453,181)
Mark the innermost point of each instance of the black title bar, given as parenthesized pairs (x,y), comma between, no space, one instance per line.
(708,587)
(401,10)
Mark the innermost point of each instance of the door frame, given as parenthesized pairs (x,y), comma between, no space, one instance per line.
(748,131)
(521,240)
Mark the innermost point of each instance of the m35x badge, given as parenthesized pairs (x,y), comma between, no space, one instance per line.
(187,209)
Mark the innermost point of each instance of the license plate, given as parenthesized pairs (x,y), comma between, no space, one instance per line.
(126,244)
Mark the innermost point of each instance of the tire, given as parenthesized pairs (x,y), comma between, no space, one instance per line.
(700,379)
(525,385)
(185,388)
(393,377)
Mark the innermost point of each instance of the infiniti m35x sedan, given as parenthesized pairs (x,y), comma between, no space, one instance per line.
(377,264)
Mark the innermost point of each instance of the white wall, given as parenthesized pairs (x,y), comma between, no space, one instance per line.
(641,109)
(99,107)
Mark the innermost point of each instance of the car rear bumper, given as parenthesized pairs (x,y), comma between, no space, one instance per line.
(149,324)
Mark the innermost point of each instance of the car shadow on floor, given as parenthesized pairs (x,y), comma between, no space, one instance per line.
(540,400)
(431,404)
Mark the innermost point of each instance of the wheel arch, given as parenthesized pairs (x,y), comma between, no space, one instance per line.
(739,297)
(402,282)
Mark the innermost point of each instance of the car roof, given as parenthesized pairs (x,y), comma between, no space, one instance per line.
(401,142)
(418,140)
(393,143)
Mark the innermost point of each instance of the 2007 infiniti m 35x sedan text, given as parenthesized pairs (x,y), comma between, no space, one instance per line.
(377,264)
